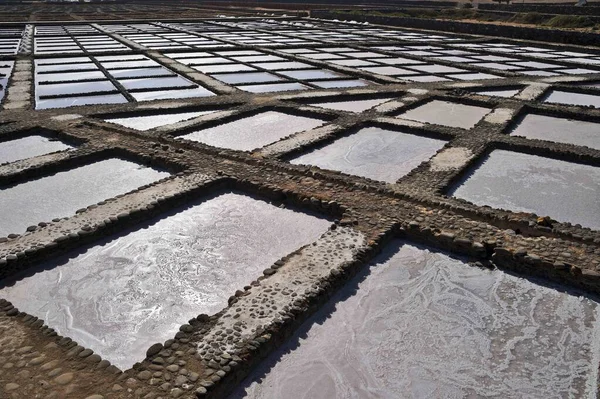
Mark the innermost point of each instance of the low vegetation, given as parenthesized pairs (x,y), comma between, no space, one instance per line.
(468,13)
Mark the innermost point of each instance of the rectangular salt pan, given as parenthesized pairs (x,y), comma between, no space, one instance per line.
(148,122)
(63,193)
(63,102)
(28,147)
(419,324)
(447,113)
(341,83)
(374,153)
(128,292)
(275,87)
(565,191)
(351,106)
(561,130)
(499,93)
(170,94)
(254,131)
(571,98)
(80,88)
(246,77)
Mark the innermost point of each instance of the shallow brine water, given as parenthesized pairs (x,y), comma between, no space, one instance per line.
(374,153)
(419,324)
(27,147)
(63,193)
(128,292)
(520,182)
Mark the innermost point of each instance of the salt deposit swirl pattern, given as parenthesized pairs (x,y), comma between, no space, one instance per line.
(424,325)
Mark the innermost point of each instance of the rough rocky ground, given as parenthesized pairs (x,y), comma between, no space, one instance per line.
(211,353)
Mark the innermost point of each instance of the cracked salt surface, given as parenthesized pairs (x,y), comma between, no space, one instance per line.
(130,291)
(62,194)
(419,324)
(521,182)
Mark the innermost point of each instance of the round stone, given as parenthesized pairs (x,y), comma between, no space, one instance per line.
(54,372)
(144,375)
(85,353)
(37,360)
(173,368)
(180,380)
(153,350)
(11,386)
(64,379)
(24,374)
(103,364)
(94,359)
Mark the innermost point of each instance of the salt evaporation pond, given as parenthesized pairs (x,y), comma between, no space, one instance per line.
(148,122)
(63,102)
(62,194)
(28,147)
(351,106)
(520,182)
(567,97)
(499,93)
(254,131)
(419,324)
(447,114)
(128,292)
(374,153)
(561,130)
